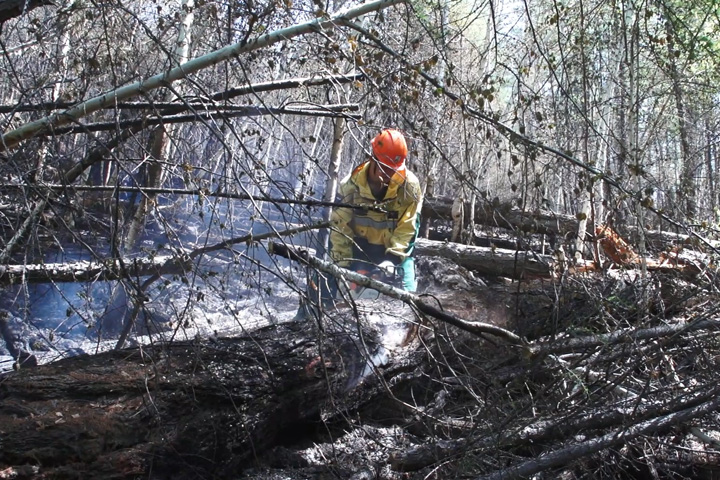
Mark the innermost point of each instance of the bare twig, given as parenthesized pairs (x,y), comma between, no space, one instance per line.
(11,139)
(416,301)
(246,111)
(575,451)
(200,192)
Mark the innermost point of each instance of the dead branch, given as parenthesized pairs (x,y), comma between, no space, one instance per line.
(573,452)
(201,192)
(11,139)
(169,108)
(543,430)
(243,111)
(416,301)
(624,336)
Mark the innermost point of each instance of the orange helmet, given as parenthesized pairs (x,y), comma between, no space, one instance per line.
(390,149)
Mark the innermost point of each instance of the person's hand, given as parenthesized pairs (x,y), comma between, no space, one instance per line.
(388,268)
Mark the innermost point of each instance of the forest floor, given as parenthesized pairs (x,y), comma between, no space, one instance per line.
(339,443)
(441,403)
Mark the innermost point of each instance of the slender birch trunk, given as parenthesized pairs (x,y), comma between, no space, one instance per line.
(159,147)
(331,183)
(585,193)
(160,139)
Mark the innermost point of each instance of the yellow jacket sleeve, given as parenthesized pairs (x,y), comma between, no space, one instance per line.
(341,233)
(408,219)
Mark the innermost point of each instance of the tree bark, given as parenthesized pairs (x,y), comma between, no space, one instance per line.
(489,261)
(331,183)
(504,216)
(181,410)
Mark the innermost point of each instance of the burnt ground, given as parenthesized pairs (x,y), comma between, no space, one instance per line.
(341,398)
(289,400)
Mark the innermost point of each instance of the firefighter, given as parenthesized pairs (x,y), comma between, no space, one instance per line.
(363,239)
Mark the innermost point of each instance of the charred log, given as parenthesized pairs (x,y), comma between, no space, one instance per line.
(489,261)
(555,225)
(504,216)
(182,410)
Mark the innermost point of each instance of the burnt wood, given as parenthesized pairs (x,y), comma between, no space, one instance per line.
(183,410)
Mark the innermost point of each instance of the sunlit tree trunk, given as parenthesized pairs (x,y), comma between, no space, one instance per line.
(160,139)
(57,91)
(687,195)
(432,163)
(331,183)
(310,165)
(585,190)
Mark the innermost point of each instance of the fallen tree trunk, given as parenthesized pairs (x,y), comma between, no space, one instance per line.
(503,215)
(544,222)
(84,271)
(183,410)
(489,261)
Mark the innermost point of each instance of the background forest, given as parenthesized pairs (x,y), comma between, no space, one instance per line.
(142,133)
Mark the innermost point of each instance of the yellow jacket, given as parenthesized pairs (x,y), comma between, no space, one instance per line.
(395,227)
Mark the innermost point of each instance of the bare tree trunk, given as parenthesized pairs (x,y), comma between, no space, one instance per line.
(331,183)
(687,194)
(310,166)
(585,197)
(160,139)
(632,52)
(63,47)
(116,311)
(709,162)
(458,215)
